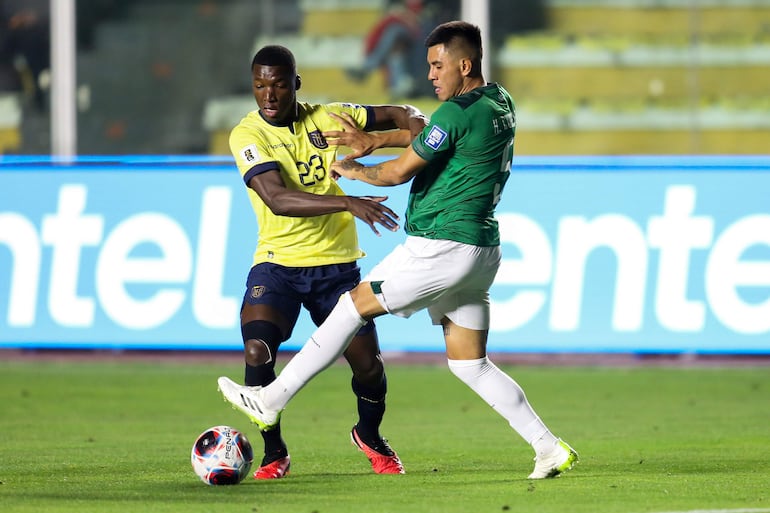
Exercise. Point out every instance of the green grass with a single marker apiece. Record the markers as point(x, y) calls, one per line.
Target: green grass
point(116, 437)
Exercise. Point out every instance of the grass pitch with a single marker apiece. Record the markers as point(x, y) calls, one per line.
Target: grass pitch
point(116, 437)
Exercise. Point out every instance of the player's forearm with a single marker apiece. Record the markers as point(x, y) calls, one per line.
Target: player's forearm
point(405, 117)
point(392, 139)
point(299, 204)
point(382, 174)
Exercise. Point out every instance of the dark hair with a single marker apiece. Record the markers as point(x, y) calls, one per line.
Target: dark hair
point(274, 55)
point(458, 35)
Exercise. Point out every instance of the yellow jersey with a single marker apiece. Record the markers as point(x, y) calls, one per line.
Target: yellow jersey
point(303, 157)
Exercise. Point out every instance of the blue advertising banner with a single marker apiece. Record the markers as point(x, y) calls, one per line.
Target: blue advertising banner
point(607, 254)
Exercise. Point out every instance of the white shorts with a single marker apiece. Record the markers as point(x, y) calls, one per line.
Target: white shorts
point(448, 278)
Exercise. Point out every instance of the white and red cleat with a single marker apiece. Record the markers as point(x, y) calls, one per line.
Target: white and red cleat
point(383, 458)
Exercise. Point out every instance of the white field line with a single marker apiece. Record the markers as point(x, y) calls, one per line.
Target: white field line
point(740, 510)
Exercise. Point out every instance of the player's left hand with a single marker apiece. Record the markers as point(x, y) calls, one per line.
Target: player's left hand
point(362, 143)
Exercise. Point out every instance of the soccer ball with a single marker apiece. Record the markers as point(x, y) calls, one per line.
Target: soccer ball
point(222, 455)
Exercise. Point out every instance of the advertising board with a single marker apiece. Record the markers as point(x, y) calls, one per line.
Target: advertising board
point(600, 254)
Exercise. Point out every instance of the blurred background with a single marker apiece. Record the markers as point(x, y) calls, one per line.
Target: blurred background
point(591, 77)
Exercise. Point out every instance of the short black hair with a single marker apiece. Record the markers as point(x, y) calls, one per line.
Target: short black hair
point(274, 55)
point(458, 35)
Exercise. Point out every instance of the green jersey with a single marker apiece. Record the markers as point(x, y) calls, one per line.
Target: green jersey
point(469, 146)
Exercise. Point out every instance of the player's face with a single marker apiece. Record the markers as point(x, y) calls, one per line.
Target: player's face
point(275, 89)
point(445, 72)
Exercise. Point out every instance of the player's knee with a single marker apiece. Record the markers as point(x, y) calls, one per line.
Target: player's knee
point(364, 298)
point(469, 371)
point(255, 352)
point(365, 360)
point(369, 373)
point(260, 342)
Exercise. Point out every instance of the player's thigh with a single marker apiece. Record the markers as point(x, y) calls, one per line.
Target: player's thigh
point(468, 308)
point(417, 273)
point(466, 303)
point(421, 272)
point(464, 343)
point(270, 296)
point(325, 285)
point(268, 313)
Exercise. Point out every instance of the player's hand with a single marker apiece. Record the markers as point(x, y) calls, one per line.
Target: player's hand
point(362, 143)
point(347, 168)
point(372, 211)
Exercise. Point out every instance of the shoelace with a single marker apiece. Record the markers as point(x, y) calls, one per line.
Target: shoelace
point(383, 448)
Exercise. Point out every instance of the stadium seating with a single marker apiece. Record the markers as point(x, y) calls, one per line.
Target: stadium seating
point(329, 39)
point(615, 77)
point(605, 77)
point(339, 17)
point(10, 122)
point(667, 18)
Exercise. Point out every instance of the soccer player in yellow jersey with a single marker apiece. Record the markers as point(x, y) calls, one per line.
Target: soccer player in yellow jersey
point(307, 244)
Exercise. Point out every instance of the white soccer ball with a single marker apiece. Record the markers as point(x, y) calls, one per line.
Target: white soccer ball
point(221, 455)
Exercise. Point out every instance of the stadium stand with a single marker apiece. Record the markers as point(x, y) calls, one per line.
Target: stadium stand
point(339, 17)
point(329, 40)
point(147, 68)
point(162, 74)
point(643, 76)
point(10, 121)
point(604, 76)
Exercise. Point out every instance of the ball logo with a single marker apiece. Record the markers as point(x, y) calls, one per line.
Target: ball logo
point(229, 444)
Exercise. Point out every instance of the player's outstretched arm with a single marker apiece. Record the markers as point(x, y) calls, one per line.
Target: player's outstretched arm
point(283, 201)
point(362, 143)
point(405, 117)
point(390, 172)
point(394, 127)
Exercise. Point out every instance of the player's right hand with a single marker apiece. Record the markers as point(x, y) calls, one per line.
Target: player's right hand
point(372, 211)
point(360, 142)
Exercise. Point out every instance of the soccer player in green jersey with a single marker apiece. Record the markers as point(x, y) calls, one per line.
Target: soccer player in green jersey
point(458, 166)
point(307, 243)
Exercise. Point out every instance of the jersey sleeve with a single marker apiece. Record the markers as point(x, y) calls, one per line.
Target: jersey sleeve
point(447, 124)
point(362, 114)
point(252, 155)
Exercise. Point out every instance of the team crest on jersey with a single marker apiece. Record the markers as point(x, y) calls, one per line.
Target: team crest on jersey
point(257, 291)
point(250, 154)
point(435, 137)
point(318, 140)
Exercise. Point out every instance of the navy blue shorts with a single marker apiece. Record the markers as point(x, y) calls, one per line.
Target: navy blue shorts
point(316, 288)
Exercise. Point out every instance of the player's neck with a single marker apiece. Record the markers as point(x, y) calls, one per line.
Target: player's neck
point(471, 84)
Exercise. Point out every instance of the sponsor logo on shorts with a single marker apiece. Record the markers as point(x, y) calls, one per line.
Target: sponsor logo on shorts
point(435, 137)
point(250, 154)
point(257, 291)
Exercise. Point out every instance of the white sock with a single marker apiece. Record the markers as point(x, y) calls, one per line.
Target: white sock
point(506, 397)
point(323, 348)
